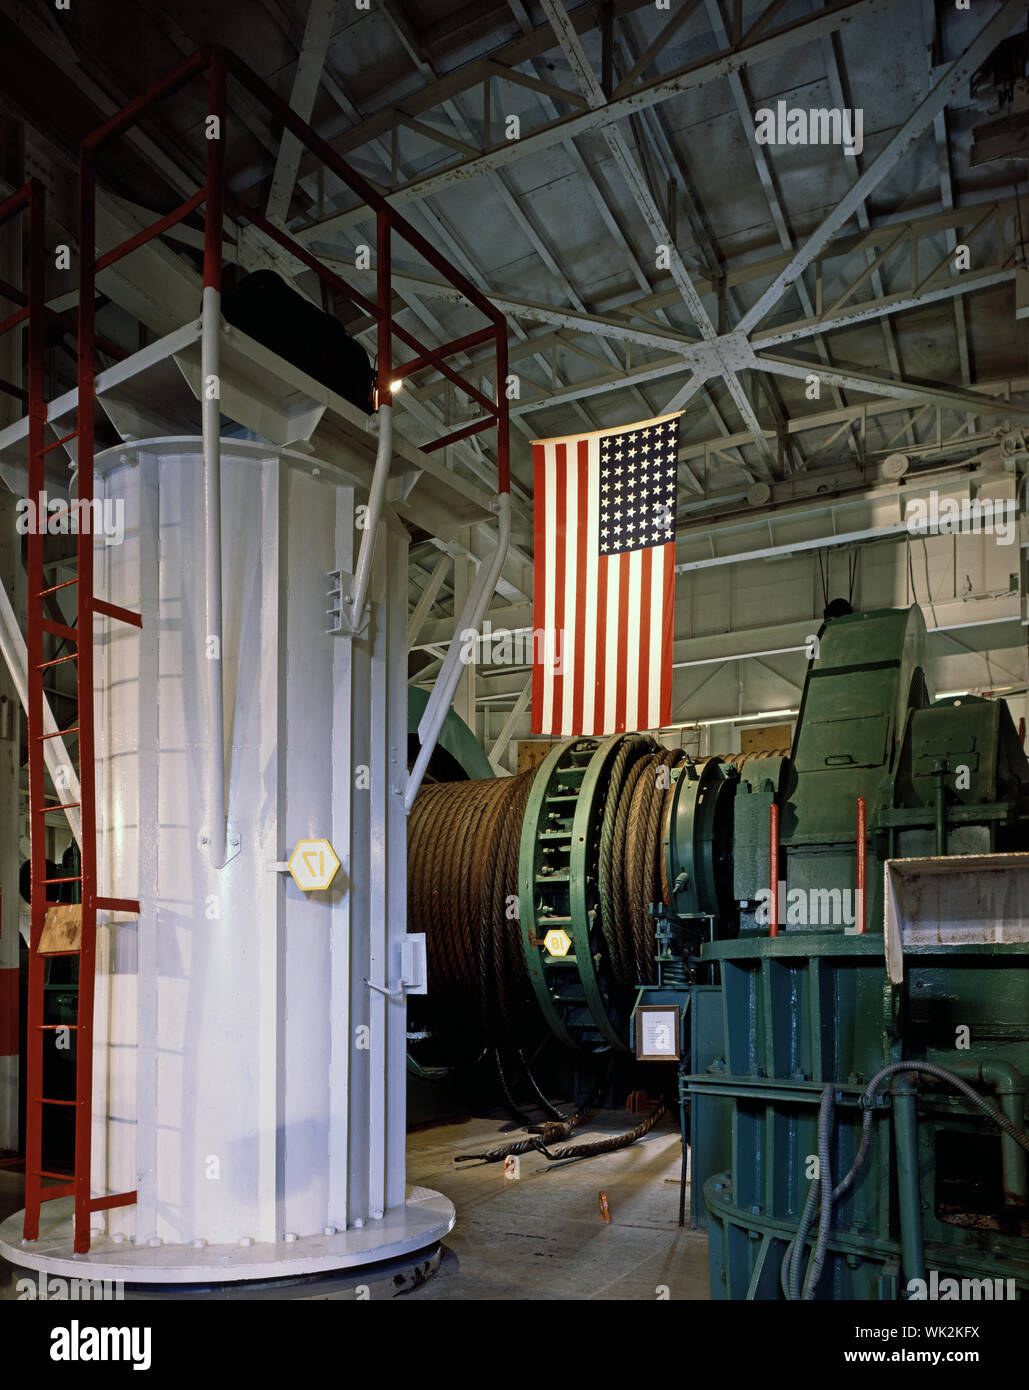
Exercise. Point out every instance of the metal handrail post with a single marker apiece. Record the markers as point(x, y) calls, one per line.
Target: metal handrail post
point(213, 839)
point(450, 672)
point(384, 452)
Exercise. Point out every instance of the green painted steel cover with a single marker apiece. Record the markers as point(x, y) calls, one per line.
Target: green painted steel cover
point(458, 754)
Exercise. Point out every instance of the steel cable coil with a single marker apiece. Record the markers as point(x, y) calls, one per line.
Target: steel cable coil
point(463, 840)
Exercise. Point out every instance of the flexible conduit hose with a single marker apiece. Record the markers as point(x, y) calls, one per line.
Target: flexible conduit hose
point(821, 1187)
point(589, 1149)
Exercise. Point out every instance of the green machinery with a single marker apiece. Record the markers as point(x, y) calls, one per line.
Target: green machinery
point(890, 930)
point(807, 1018)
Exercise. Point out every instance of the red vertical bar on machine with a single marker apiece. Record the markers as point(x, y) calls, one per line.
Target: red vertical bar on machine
point(773, 870)
point(859, 897)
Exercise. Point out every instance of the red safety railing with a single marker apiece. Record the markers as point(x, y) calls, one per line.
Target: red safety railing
point(20, 202)
point(78, 636)
point(27, 201)
point(216, 198)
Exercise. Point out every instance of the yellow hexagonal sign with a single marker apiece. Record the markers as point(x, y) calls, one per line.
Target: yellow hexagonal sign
point(558, 942)
point(313, 865)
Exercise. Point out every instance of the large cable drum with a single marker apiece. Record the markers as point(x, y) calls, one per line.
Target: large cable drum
point(462, 874)
point(540, 894)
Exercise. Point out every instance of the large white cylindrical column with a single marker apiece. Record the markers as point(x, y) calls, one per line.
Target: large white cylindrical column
point(249, 1084)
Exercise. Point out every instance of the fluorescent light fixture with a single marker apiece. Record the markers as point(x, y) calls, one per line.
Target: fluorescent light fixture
point(993, 689)
point(731, 719)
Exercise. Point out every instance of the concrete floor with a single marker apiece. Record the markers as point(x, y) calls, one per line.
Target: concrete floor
point(539, 1236)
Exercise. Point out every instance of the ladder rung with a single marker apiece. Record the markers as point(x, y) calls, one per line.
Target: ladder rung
point(46, 1100)
point(118, 904)
point(47, 1173)
point(47, 955)
point(52, 1027)
point(113, 610)
point(54, 587)
point(60, 806)
point(19, 316)
point(58, 442)
point(119, 1199)
point(76, 879)
point(50, 1194)
point(70, 634)
point(57, 661)
point(61, 733)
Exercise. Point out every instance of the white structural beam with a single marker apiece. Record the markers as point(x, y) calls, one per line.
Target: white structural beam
point(744, 109)
point(693, 75)
point(634, 179)
point(889, 157)
point(852, 379)
point(310, 61)
point(899, 303)
point(426, 599)
point(55, 752)
point(511, 723)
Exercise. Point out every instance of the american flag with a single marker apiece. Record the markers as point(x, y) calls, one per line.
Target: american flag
point(604, 588)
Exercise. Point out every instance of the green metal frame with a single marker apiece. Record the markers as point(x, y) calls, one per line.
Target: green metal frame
point(544, 894)
point(455, 737)
point(592, 953)
point(814, 1007)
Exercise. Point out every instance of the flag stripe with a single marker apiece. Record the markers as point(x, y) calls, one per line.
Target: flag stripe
point(624, 562)
point(549, 723)
point(644, 712)
point(560, 528)
point(613, 566)
point(540, 589)
point(573, 528)
point(590, 647)
point(658, 656)
point(668, 634)
point(583, 533)
point(631, 663)
point(600, 724)
point(604, 580)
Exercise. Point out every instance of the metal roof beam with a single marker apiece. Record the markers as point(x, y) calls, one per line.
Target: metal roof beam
point(693, 75)
point(901, 144)
point(644, 199)
point(825, 419)
point(310, 61)
point(880, 385)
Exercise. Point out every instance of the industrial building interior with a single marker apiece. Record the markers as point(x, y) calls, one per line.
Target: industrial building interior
point(410, 913)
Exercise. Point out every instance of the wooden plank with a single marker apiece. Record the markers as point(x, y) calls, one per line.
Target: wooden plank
point(62, 929)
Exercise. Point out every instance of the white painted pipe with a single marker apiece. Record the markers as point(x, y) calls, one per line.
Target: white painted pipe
point(210, 372)
point(376, 496)
point(450, 672)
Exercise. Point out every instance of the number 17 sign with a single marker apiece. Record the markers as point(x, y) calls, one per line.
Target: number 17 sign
point(313, 865)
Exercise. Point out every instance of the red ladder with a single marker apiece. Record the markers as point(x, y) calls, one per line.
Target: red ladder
point(79, 638)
